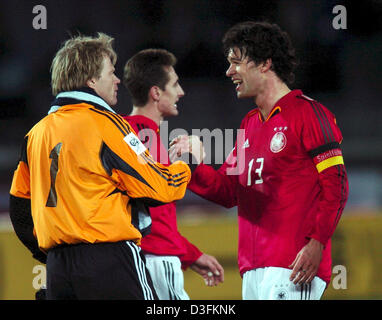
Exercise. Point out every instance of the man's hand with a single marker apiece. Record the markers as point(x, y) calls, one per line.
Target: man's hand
point(210, 269)
point(186, 144)
point(307, 261)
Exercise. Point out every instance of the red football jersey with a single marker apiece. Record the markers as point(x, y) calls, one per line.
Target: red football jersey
point(164, 238)
point(287, 177)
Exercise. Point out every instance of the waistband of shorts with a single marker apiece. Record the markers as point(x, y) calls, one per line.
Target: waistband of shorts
point(155, 256)
point(80, 244)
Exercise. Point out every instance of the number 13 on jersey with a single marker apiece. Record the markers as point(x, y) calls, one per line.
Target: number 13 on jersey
point(258, 170)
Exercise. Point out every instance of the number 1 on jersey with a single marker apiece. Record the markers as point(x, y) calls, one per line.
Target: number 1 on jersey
point(52, 198)
point(258, 171)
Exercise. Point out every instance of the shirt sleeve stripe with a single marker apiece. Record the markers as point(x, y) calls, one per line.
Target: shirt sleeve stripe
point(108, 115)
point(118, 119)
point(329, 163)
point(163, 172)
point(324, 125)
point(150, 160)
point(326, 121)
point(320, 121)
point(170, 180)
point(342, 174)
point(121, 121)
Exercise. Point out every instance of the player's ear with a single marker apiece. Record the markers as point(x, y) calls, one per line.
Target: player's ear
point(91, 83)
point(155, 93)
point(266, 65)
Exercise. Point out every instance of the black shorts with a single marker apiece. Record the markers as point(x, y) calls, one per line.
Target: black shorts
point(98, 271)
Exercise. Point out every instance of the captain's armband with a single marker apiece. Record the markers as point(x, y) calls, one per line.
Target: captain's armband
point(327, 156)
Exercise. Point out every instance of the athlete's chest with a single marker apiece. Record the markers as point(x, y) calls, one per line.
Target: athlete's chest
point(269, 150)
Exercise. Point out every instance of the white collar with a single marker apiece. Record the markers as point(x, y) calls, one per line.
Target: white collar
point(82, 96)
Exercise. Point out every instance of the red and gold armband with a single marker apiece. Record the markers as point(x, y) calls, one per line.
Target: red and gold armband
point(327, 156)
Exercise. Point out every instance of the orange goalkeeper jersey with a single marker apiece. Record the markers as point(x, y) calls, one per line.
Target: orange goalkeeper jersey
point(87, 175)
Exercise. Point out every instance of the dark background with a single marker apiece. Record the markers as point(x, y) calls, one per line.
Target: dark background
point(339, 68)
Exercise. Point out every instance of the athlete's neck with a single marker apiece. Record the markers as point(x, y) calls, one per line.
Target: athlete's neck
point(274, 91)
point(148, 111)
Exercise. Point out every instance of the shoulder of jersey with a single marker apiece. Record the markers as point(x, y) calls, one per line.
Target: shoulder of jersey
point(302, 102)
point(305, 98)
point(251, 113)
point(248, 116)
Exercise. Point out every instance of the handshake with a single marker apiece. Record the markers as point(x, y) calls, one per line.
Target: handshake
point(186, 144)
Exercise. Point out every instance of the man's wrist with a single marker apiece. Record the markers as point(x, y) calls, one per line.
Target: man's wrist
point(316, 243)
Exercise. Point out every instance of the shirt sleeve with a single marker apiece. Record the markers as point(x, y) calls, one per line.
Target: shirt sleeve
point(20, 183)
point(20, 206)
point(218, 186)
point(192, 254)
point(130, 165)
point(321, 139)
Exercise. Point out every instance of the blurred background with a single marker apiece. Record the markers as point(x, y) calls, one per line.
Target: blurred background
point(339, 68)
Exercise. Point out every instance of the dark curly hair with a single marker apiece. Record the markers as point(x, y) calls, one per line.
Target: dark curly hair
point(260, 41)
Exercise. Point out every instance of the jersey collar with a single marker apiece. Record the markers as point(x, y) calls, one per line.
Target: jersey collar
point(86, 95)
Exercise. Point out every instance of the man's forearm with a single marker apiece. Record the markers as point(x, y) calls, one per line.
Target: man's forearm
point(335, 190)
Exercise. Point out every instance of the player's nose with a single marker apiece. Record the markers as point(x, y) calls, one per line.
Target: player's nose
point(181, 92)
point(230, 71)
point(117, 80)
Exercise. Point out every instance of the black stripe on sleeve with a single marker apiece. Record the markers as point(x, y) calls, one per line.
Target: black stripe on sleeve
point(108, 115)
point(320, 120)
point(341, 174)
point(170, 180)
point(326, 121)
point(150, 160)
point(164, 172)
point(111, 161)
point(121, 121)
point(326, 147)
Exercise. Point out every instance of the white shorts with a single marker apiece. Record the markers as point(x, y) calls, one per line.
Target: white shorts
point(167, 276)
point(272, 283)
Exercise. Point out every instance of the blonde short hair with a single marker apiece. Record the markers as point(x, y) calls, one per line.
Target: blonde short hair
point(79, 60)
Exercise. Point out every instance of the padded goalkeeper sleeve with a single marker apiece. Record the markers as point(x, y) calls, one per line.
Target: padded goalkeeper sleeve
point(21, 218)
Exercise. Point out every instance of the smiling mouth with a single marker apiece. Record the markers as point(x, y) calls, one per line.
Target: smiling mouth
point(238, 83)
